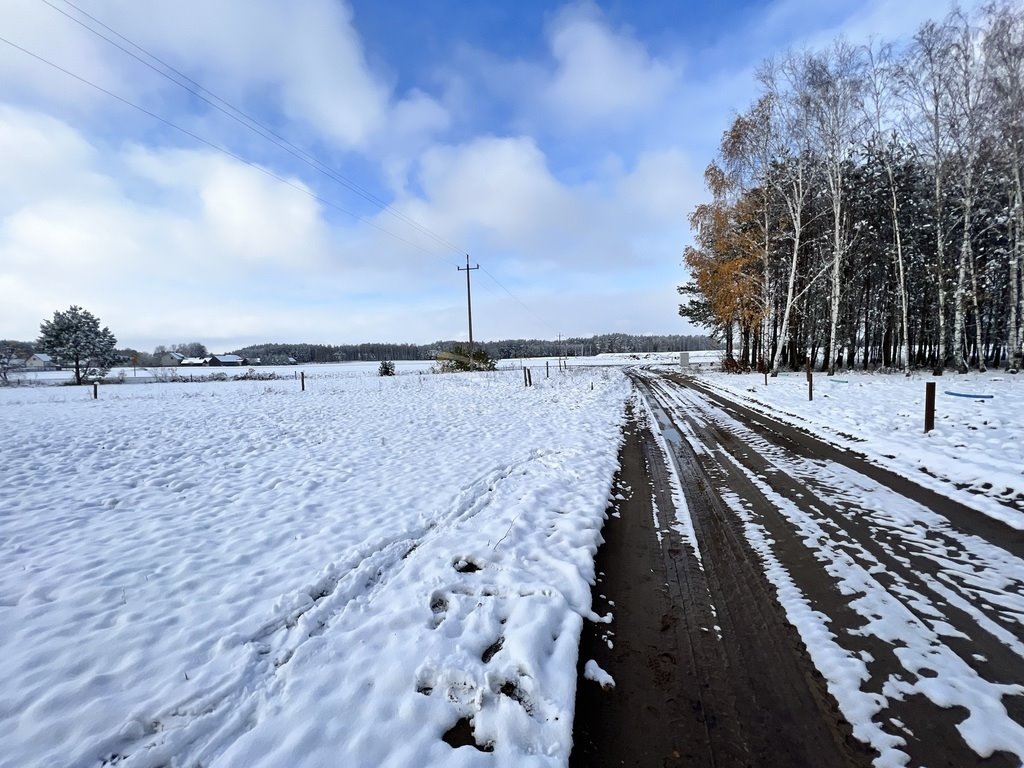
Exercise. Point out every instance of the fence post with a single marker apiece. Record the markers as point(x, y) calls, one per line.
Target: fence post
point(525, 384)
point(929, 406)
point(302, 378)
point(547, 369)
point(95, 390)
point(810, 385)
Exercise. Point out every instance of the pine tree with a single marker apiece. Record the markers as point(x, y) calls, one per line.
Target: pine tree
point(75, 338)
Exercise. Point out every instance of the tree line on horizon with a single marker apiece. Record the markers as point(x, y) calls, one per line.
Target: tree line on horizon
point(498, 350)
point(868, 208)
point(271, 354)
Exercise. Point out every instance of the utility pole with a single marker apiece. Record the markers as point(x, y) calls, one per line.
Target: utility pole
point(469, 303)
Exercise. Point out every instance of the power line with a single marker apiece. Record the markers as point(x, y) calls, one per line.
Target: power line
point(217, 147)
point(506, 290)
point(242, 118)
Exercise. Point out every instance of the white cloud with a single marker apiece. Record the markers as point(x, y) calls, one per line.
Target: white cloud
point(304, 57)
point(496, 191)
point(663, 186)
point(302, 60)
point(169, 244)
point(602, 74)
point(43, 31)
point(178, 232)
point(36, 149)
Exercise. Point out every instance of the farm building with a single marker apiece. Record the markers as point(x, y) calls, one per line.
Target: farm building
point(227, 360)
point(40, 362)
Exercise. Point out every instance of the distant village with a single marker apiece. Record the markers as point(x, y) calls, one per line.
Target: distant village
point(40, 361)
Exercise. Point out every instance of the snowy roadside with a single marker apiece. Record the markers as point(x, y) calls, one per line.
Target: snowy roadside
point(241, 573)
point(974, 454)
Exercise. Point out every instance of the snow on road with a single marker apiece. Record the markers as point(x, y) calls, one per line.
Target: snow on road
point(974, 454)
point(244, 574)
point(917, 583)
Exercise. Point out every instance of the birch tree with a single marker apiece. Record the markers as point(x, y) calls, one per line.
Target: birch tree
point(746, 152)
point(1004, 50)
point(966, 124)
point(924, 79)
point(785, 83)
point(880, 103)
point(835, 80)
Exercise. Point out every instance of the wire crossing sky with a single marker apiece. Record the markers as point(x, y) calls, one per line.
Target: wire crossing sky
point(252, 170)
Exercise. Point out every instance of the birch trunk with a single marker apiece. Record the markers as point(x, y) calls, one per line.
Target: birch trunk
point(959, 294)
point(977, 313)
point(837, 265)
point(940, 259)
point(791, 285)
point(901, 275)
point(1013, 332)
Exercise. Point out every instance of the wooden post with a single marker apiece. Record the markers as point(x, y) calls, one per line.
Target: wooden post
point(302, 378)
point(929, 406)
point(526, 381)
point(810, 385)
point(547, 369)
point(95, 390)
point(766, 377)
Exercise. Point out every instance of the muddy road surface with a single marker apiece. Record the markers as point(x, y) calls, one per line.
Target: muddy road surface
point(777, 601)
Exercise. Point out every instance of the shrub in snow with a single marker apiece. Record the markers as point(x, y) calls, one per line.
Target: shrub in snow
point(458, 358)
point(387, 368)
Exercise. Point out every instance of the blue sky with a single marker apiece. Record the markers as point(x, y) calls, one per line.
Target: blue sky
point(560, 145)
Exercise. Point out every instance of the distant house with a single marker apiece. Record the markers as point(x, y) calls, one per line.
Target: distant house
point(227, 360)
point(40, 362)
point(171, 358)
point(194, 361)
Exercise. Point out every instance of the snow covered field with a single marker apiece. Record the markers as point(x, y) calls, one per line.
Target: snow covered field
point(975, 453)
point(131, 375)
point(244, 574)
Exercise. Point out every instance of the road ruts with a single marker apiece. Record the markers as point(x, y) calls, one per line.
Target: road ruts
point(924, 594)
point(708, 671)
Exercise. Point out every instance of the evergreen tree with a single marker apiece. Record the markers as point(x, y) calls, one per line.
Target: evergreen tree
point(75, 338)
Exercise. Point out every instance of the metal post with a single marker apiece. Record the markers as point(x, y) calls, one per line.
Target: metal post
point(303, 379)
point(929, 406)
point(95, 390)
point(810, 385)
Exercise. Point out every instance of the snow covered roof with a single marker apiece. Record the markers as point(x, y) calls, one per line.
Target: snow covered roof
point(228, 358)
point(43, 357)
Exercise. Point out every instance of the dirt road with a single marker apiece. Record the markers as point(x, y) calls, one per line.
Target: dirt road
point(781, 602)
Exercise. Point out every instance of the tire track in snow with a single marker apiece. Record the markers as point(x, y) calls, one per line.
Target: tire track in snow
point(941, 609)
point(193, 730)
